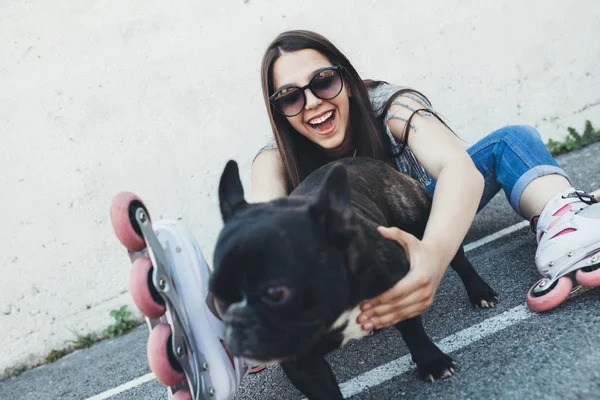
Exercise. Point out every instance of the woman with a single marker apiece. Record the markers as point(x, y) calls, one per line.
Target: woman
point(321, 110)
point(319, 114)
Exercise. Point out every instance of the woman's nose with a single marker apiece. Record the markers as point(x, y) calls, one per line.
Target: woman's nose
point(312, 101)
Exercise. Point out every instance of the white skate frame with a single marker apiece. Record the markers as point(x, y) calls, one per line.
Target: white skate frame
point(183, 343)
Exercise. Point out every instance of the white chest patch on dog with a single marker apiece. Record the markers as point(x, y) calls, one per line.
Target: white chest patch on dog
point(352, 329)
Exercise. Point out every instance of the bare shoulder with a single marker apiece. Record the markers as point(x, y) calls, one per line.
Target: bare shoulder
point(267, 177)
point(414, 109)
point(429, 138)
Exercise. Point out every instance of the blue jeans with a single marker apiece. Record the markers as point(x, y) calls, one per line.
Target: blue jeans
point(509, 159)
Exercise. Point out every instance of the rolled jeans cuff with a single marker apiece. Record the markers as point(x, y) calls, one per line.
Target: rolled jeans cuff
point(530, 176)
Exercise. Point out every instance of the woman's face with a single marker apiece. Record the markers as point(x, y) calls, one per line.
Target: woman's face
point(324, 122)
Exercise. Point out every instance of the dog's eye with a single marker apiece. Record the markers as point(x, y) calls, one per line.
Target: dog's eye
point(276, 294)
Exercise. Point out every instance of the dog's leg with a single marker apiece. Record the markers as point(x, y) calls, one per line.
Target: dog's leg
point(312, 375)
point(431, 361)
point(479, 292)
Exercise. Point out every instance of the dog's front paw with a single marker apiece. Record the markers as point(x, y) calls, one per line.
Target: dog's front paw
point(482, 295)
point(440, 368)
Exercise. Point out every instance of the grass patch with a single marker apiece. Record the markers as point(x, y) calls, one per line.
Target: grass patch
point(123, 323)
point(56, 355)
point(574, 140)
point(83, 341)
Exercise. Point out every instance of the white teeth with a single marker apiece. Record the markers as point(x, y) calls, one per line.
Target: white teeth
point(321, 118)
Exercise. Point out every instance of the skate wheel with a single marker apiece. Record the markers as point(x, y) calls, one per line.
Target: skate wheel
point(142, 290)
point(551, 298)
point(122, 217)
point(588, 278)
point(182, 395)
point(161, 359)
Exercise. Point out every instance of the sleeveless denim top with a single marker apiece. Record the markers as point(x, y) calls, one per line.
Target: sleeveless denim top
point(405, 162)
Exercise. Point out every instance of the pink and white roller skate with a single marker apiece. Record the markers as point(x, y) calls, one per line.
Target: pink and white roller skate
point(168, 283)
point(568, 236)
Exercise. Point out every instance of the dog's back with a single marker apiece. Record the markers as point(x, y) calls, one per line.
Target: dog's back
point(380, 195)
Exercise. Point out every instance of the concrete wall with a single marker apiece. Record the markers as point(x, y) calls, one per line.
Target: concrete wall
point(153, 97)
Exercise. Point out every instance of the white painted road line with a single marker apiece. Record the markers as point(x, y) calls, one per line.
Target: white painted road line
point(496, 236)
point(124, 387)
point(449, 344)
point(403, 364)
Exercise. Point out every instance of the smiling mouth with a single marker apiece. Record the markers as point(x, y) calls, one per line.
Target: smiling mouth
point(324, 122)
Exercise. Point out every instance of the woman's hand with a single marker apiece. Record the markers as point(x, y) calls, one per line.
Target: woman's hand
point(414, 293)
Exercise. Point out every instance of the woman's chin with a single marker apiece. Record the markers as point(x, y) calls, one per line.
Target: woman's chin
point(335, 148)
point(330, 143)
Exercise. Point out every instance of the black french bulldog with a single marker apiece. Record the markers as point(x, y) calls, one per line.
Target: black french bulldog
point(289, 274)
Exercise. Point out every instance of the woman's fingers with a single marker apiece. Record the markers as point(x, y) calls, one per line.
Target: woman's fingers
point(418, 300)
point(393, 318)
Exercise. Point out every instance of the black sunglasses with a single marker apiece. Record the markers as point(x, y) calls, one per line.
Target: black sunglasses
point(325, 83)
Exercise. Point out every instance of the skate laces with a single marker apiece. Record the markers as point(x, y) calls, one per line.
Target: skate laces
point(585, 197)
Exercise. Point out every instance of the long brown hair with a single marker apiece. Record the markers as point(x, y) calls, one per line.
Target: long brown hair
point(301, 156)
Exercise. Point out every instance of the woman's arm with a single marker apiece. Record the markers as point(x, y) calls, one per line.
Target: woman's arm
point(267, 179)
point(458, 191)
point(459, 184)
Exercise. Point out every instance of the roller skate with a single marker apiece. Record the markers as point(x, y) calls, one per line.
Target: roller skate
point(568, 253)
point(169, 284)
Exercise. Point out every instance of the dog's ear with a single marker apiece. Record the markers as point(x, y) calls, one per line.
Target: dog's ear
point(332, 207)
point(231, 192)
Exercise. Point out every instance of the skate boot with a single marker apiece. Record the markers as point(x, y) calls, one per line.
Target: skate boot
point(568, 236)
point(169, 284)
